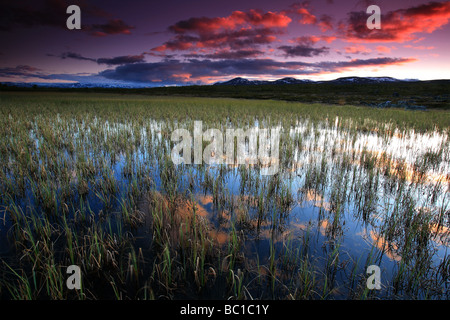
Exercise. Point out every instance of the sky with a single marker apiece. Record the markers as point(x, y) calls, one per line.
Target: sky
point(172, 42)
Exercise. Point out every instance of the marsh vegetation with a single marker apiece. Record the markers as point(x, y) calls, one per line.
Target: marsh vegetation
point(87, 180)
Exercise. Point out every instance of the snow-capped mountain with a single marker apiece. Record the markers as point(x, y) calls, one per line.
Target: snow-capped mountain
point(239, 81)
point(73, 85)
point(242, 82)
point(344, 80)
point(356, 80)
point(289, 80)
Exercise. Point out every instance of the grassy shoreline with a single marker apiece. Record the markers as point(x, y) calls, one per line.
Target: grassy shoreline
point(433, 94)
point(402, 119)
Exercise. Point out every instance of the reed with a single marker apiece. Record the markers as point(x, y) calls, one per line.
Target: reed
point(88, 180)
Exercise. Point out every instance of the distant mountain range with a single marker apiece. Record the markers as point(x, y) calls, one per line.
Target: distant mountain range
point(344, 80)
point(233, 82)
point(73, 85)
point(243, 82)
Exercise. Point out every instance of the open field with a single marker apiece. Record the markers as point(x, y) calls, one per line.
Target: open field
point(433, 94)
point(87, 179)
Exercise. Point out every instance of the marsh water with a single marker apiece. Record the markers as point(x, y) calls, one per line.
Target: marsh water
point(341, 200)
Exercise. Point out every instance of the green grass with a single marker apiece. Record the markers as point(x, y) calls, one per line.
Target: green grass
point(86, 179)
point(433, 94)
point(117, 107)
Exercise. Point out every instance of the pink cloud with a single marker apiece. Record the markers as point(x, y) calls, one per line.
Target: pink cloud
point(356, 49)
point(397, 26)
point(254, 18)
point(383, 49)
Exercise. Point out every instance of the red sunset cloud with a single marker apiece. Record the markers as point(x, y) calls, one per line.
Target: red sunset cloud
point(383, 49)
point(238, 18)
point(310, 40)
point(236, 31)
point(306, 16)
point(397, 26)
point(306, 38)
point(238, 39)
point(357, 49)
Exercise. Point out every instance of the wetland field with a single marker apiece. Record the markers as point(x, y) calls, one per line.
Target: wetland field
point(87, 179)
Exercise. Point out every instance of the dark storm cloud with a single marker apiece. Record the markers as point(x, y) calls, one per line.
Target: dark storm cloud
point(47, 13)
point(113, 26)
point(303, 51)
point(171, 71)
point(109, 61)
point(26, 72)
point(72, 55)
point(52, 13)
point(226, 54)
point(121, 60)
point(21, 70)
